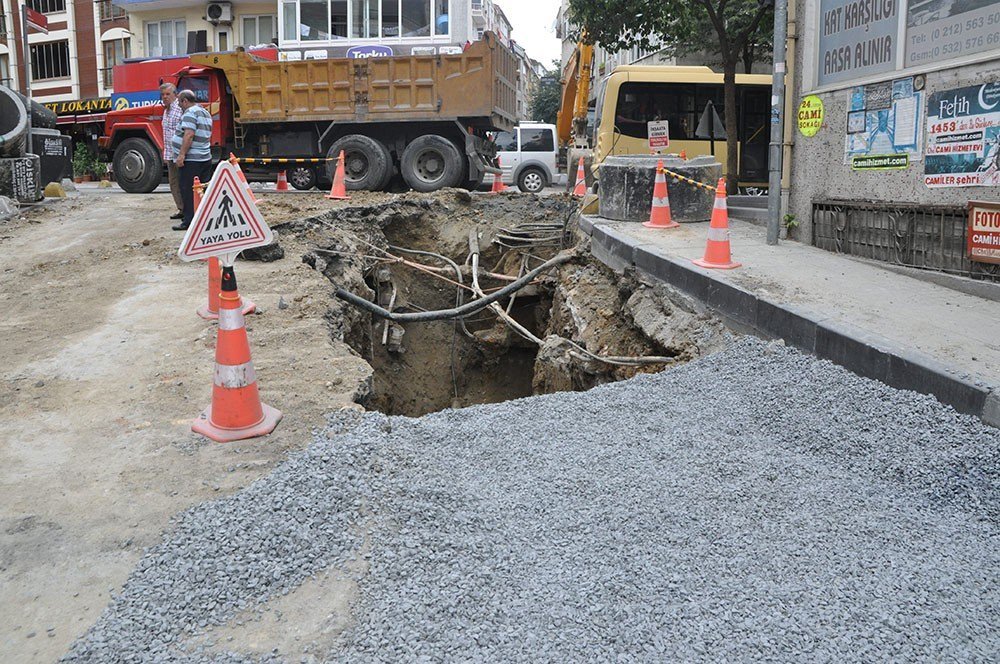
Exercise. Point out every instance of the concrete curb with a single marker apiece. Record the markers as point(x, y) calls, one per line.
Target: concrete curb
point(853, 348)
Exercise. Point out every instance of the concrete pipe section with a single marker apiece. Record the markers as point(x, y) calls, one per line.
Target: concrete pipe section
point(13, 123)
point(626, 187)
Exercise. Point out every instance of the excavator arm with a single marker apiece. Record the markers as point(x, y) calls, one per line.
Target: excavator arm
point(571, 121)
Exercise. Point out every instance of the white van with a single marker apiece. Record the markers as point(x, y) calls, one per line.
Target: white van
point(528, 156)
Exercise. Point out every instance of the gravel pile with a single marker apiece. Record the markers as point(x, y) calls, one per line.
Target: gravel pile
point(754, 504)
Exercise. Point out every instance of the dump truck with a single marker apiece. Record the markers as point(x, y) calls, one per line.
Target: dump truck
point(423, 117)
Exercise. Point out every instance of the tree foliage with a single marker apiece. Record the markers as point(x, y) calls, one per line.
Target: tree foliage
point(546, 100)
point(734, 30)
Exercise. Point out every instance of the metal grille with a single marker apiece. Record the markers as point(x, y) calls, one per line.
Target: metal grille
point(924, 237)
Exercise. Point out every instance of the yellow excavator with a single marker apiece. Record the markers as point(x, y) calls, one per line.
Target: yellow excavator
point(571, 120)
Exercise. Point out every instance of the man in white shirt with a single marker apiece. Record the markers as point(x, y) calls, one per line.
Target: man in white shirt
point(171, 118)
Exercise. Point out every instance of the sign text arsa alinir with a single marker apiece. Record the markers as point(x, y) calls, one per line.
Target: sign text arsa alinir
point(226, 222)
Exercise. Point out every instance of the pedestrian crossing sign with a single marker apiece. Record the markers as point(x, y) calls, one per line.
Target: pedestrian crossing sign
point(226, 222)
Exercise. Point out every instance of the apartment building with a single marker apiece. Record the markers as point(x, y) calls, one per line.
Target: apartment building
point(312, 28)
point(71, 63)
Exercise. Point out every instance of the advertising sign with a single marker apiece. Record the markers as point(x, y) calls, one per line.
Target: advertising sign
point(963, 137)
point(373, 51)
point(810, 115)
point(984, 232)
point(659, 134)
point(123, 100)
point(883, 126)
point(36, 20)
point(82, 106)
point(943, 30)
point(857, 39)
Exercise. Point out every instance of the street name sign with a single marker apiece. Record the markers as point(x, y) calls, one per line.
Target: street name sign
point(226, 222)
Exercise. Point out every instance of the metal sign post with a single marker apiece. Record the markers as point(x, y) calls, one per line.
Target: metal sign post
point(27, 73)
point(777, 146)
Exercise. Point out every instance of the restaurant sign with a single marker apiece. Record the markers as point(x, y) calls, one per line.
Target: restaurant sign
point(80, 106)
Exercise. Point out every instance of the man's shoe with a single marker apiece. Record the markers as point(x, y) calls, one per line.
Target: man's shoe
point(180, 227)
point(179, 215)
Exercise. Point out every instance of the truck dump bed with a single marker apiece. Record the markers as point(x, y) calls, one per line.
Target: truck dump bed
point(476, 87)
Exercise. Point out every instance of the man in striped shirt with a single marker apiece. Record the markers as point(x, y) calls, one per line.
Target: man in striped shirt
point(191, 143)
point(171, 118)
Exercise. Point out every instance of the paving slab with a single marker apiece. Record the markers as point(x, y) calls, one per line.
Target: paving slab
point(876, 321)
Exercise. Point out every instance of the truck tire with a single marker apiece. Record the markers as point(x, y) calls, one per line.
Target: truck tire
point(431, 162)
point(366, 162)
point(138, 166)
point(302, 178)
point(531, 180)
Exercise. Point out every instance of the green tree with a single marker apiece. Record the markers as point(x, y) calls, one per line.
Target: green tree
point(734, 30)
point(545, 102)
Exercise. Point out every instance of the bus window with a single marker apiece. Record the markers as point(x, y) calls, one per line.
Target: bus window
point(681, 104)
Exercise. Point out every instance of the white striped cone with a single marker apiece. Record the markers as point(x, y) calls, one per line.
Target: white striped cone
point(717, 253)
point(580, 189)
point(659, 210)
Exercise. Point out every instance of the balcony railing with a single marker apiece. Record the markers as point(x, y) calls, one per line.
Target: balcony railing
point(110, 12)
point(3, 28)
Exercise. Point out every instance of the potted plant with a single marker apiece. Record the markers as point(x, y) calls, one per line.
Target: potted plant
point(82, 160)
point(101, 170)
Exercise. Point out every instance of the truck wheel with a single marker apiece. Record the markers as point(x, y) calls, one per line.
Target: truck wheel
point(138, 166)
point(302, 178)
point(430, 163)
point(366, 162)
point(531, 180)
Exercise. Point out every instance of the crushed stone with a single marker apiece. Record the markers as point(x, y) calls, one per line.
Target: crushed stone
point(757, 503)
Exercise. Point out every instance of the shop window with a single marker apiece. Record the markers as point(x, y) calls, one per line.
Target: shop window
point(50, 60)
point(338, 19)
point(314, 20)
point(364, 19)
point(416, 18)
point(259, 30)
point(166, 38)
point(390, 18)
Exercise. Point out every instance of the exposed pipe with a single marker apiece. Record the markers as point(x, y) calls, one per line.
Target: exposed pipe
point(464, 310)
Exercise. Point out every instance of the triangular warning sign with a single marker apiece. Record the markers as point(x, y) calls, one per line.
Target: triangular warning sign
point(227, 221)
point(710, 125)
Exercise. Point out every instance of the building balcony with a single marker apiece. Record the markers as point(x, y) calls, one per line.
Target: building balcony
point(154, 5)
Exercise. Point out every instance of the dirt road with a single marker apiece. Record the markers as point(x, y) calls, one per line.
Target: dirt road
point(103, 366)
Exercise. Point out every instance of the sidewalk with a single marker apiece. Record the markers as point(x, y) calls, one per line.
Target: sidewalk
point(876, 322)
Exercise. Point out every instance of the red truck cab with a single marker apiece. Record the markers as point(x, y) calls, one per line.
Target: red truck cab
point(133, 136)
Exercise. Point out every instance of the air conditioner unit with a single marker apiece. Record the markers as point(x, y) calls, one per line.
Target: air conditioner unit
point(219, 12)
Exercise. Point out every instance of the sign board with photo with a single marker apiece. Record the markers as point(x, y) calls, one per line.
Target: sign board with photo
point(963, 137)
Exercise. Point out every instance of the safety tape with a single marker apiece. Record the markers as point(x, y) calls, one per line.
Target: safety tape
point(231, 319)
point(688, 180)
point(234, 377)
point(285, 160)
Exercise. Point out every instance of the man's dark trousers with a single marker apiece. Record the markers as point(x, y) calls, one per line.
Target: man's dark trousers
point(189, 171)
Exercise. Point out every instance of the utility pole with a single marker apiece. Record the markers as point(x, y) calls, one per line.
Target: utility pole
point(777, 147)
point(27, 73)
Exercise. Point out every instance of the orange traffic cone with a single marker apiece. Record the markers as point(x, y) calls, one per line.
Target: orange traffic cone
point(339, 189)
point(210, 311)
point(498, 185)
point(243, 178)
point(684, 154)
point(236, 411)
point(581, 180)
point(717, 249)
point(282, 183)
point(659, 211)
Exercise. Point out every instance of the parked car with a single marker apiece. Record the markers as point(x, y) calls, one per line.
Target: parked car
point(528, 156)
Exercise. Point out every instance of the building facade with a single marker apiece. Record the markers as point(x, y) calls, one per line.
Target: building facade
point(898, 127)
point(74, 60)
point(312, 28)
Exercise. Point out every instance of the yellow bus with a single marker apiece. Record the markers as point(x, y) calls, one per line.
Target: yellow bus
point(632, 95)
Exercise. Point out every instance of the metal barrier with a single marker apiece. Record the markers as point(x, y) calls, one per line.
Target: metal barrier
point(924, 237)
